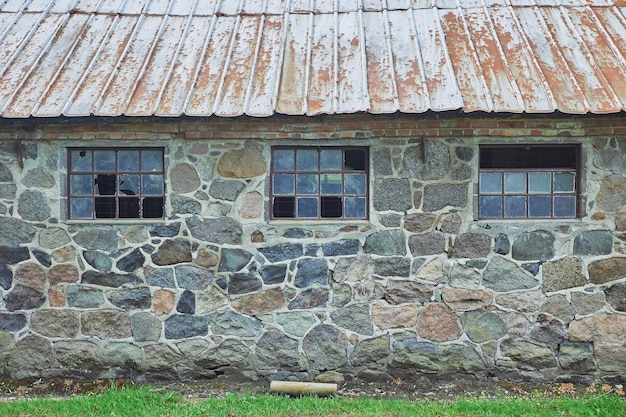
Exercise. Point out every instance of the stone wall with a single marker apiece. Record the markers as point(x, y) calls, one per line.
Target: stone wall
point(217, 289)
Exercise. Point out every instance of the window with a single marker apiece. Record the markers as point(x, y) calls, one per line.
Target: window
point(528, 182)
point(115, 183)
point(319, 183)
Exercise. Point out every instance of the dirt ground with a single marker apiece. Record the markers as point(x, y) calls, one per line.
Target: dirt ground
point(424, 386)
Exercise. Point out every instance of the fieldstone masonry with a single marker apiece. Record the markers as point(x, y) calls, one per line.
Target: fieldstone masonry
point(218, 289)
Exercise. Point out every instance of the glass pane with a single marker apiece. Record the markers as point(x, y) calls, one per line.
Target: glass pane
point(490, 207)
point(331, 160)
point(81, 184)
point(152, 184)
point(539, 182)
point(490, 183)
point(284, 184)
point(81, 208)
point(129, 208)
point(306, 159)
point(81, 161)
point(354, 159)
point(331, 207)
point(515, 206)
point(307, 184)
point(331, 183)
point(563, 182)
point(129, 160)
point(355, 207)
point(514, 182)
point(284, 160)
point(539, 206)
point(307, 207)
point(105, 160)
point(106, 207)
point(354, 184)
point(106, 184)
point(564, 206)
point(284, 207)
point(129, 185)
point(152, 208)
point(152, 161)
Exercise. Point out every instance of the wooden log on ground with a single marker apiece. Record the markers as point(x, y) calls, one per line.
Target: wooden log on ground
point(303, 388)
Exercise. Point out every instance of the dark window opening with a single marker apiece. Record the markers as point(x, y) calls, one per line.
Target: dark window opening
point(116, 183)
point(528, 182)
point(331, 207)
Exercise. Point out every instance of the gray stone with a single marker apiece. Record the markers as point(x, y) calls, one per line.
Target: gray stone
point(562, 274)
point(576, 356)
point(52, 238)
point(521, 301)
point(227, 190)
point(464, 153)
point(533, 268)
point(229, 323)
point(173, 252)
point(8, 191)
point(439, 196)
point(342, 247)
point(482, 326)
point(30, 358)
point(6, 277)
point(311, 271)
point(354, 317)
point(393, 266)
point(55, 323)
point(15, 232)
point(607, 270)
point(460, 358)
point(5, 174)
point(185, 205)
point(12, 322)
point(160, 277)
point(450, 223)
point(471, 245)
point(33, 206)
point(609, 160)
point(193, 278)
point(429, 160)
point(419, 222)
point(296, 323)
point(502, 276)
point(187, 303)
point(549, 330)
point(462, 276)
point(221, 230)
point(390, 219)
point(587, 303)
point(433, 243)
point(162, 362)
point(282, 252)
point(392, 194)
point(297, 233)
point(83, 297)
point(108, 279)
point(23, 298)
point(106, 324)
point(373, 351)
point(438, 323)
point(273, 274)
point(616, 297)
point(13, 255)
point(528, 355)
point(227, 353)
point(131, 262)
point(78, 357)
point(610, 358)
point(184, 179)
point(97, 239)
point(413, 354)
point(603, 327)
point(310, 298)
point(42, 257)
point(326, 347)
point(242, 163)
point(537, 245)
point(394, 317)
point(182, 326)
point(353, 269)
point(502, 245)
point(381, 161)
point(277, 351)
point(461, 299)
point(244, 283)
point(386, 243)
point(38, 178)
point(400, 292)
point(122, 358)
point(260, 303)
point(98, 260)
point(145, 327)
point(233, 260)
point(131, 298)
point(165, 230)
point(612, 194)
point(559, 307)
point(594, 242)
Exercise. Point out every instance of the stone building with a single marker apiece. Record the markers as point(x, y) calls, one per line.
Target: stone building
point(312, 190)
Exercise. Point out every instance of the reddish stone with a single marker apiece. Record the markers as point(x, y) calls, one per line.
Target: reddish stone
point(598, 216)
point(438, 323)
point(31, 274)
point(63, 273)
point(56, 297)
point(163, 301)
point(388, 317)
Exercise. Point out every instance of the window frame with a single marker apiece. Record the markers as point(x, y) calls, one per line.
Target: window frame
point(559, 166)
point(134, 201)
point(321, 197)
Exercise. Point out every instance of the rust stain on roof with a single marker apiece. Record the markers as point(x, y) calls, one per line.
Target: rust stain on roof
point(305, 57)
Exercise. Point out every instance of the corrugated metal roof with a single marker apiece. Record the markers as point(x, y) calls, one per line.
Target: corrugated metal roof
point(260, 57)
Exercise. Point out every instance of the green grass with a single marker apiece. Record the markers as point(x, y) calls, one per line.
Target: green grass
point(130, 402)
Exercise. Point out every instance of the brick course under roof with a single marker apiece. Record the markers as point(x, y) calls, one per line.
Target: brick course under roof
point(307, 57)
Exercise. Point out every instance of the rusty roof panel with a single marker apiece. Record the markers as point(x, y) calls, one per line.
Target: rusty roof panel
point(307, 57)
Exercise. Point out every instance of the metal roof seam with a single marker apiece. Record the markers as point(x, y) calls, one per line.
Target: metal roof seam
point(307, 66)
point(257, 48)
point(420, 60)
point(229, 55)
point(335, 103)
point(366, 96)
point(392, 69)
point(281, 59)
